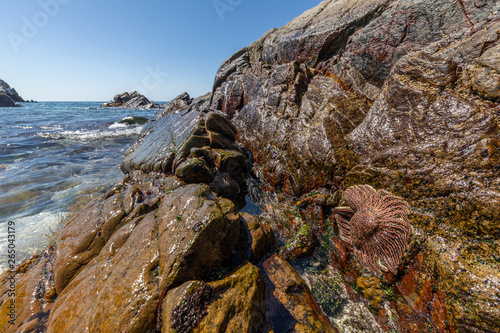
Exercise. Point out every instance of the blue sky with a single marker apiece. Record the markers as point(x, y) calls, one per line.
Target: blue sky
point(89, 50)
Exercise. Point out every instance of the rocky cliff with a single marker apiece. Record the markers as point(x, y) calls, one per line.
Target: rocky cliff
point(400, 95)
point(8, 96)
point(373, 130)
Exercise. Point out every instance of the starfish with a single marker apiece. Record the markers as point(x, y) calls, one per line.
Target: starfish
point(376, 225)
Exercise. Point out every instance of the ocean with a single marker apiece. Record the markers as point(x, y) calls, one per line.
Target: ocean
point(54, 157)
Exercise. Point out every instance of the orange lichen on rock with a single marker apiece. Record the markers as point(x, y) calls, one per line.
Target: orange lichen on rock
point(371, 290)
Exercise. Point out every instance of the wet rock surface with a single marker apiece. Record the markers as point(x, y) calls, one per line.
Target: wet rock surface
point(116, 261)
point(399, 95)
point(294, 293)
point(7, 101)
point(234, 304)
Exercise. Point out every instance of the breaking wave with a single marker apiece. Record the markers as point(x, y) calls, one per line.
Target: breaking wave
point(112, 131)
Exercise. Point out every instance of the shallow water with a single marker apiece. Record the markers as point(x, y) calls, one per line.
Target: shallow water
point(53, 155)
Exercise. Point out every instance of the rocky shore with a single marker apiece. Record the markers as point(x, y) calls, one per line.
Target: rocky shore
point(9, 96)
point(368, 133)
point(131, 100)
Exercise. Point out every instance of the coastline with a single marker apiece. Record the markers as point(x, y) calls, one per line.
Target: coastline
point(374, 165)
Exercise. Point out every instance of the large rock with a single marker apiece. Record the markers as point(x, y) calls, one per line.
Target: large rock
point(9, 96)
point(132, 100)
point(195, 236)
point(234, 304)
point(11, 92)
point(401, 95)
point(117, 259)
point(404, 96)
point(196, 145)
point(111, 293)
point(26, 307)
point(7, 101)
point(296, 296)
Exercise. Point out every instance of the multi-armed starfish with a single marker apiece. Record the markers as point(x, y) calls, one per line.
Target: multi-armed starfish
point(376, 224)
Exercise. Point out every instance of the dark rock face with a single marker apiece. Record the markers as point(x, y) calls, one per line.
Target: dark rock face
point(197, 146)
point(7, 101)
point(132, 100)
point(9, 96)
point(133, 120)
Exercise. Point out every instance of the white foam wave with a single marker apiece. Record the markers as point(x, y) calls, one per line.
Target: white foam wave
point(22, 127)
point(92, 135)
point(51, 127)
point(117, 125)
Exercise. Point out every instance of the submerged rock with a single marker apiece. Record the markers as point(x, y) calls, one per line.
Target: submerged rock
point(133, 120)
point(296, 296)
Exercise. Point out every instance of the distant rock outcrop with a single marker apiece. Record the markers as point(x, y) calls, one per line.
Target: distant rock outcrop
point(131, 100)
point(8, 96)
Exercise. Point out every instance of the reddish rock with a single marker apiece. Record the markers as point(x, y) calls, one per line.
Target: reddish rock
point(296, 296)
point(195, 236)
point(32, 294)
point(111, 293)
point(262, 236)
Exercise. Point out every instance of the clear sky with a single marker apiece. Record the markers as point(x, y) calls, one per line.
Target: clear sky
point(90, 50)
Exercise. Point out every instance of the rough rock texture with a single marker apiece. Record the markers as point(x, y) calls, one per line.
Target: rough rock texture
point(130, 100)
point(400, 95)
point(6, 89)
point(122, 254)
point(263, 238)
point(181, 102)
point(8, 96)
point(236, 304)
point(197, 146)
point(34, 293)
point(294, 293)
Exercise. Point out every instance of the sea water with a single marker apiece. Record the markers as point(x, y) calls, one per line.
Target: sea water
point(55, 156)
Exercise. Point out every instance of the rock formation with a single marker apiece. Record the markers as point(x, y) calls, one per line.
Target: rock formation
point(133, 100)
point(402, 96)
point(166, 222)
point(9, 96)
